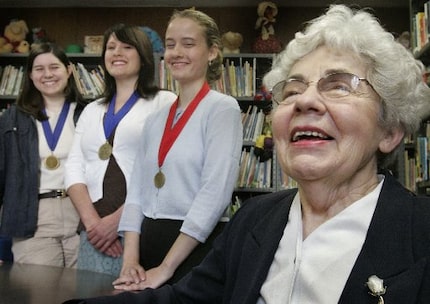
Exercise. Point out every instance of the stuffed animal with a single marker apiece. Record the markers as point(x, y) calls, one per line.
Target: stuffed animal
point(231, 42)
point(14, 34)
point(23, 47)
point(38, 35)
point(264, 145)
point(263, 97)
point(5, 46)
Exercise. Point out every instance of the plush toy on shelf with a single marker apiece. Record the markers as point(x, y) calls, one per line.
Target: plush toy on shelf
point(263, 98)
point(264, 145)
point(5, 46)
point(23, 47)
point(14, 38)
point(266, 42)
point(38, 35)
point(231, 42)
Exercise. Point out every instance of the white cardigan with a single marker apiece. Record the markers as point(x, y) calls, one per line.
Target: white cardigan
point(84, 165)
point(201, 169)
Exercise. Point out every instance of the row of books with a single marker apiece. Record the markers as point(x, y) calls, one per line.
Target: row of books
point(420, 28)
point(253, 121)
point(410, 171)
point(417, 160)
point(238, 78)
point(90, 82)
point(254, 173)
point(11, 80)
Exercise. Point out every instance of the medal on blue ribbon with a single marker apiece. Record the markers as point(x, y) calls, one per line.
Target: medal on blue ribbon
point(111, 121)
point(52, 137)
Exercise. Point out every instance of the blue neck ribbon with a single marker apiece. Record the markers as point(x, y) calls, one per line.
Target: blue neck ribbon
point(52, 137)
point(112, 119)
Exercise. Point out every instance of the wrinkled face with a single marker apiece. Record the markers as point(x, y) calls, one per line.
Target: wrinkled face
point(332, 136)
point(122, 60)
point(49, 75)
point(187, 54)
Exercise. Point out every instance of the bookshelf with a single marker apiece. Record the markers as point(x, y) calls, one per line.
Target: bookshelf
point(68, 22)
point(6, 61)
point(419, 25)
point(415, 159)
point(242, 78)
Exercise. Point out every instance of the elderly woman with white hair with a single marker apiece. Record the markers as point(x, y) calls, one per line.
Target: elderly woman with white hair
point(346, 95)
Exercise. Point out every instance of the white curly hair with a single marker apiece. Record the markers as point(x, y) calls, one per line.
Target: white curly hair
point(392, 70)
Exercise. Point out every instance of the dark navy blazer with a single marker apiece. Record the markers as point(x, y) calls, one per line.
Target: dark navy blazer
point(396, 249)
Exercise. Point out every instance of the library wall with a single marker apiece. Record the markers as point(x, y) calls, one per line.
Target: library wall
point(70, 25)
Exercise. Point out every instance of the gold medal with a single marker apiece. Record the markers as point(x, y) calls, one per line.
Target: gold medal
point(51, 162)
point(105, 151)
point(159, 179)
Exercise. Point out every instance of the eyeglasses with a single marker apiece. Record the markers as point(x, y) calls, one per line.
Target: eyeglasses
point(332, 86)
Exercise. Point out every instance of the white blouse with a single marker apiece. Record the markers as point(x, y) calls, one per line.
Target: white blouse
point(316, 269)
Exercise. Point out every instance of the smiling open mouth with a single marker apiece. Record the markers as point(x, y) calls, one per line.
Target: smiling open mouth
point(309, 135)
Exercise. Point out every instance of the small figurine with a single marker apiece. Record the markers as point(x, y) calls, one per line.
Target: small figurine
point(266, 42)
point(267, 12)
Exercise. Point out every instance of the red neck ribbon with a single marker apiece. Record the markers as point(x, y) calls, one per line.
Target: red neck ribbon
point(171, 133)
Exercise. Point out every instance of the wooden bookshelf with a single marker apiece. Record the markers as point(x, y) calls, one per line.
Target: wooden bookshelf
point(413, 164)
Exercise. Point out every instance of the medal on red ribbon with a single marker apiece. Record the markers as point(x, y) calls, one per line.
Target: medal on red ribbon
point(171, 132)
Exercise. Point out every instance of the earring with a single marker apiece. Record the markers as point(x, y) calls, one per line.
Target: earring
point(210, 62)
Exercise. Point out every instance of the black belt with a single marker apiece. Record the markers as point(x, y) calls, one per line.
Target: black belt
point(53, 194)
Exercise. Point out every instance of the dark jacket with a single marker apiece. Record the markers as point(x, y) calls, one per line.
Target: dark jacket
point(19, 172)
point(396, 249)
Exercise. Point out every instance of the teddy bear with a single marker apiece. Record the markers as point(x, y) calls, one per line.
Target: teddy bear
point(14, 36)
point(231, 42)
